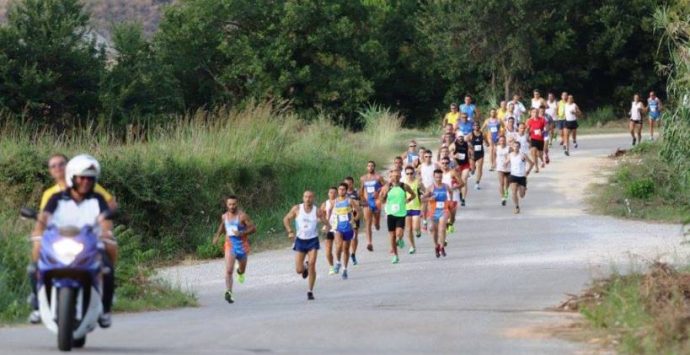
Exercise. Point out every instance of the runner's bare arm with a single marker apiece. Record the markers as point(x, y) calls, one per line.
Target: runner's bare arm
point(221, 229)
point(291, 215)
point(321, 215)
point(448, 192)
point(530, 162)
point(355, 209)
point(249, 226)
point(409, 190)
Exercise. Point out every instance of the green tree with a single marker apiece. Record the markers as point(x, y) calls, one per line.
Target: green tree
point(50, 67)
point(137, 86)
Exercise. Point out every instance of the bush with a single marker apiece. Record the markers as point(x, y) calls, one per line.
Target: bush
point(642, 189)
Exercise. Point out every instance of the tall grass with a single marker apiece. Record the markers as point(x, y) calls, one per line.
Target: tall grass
point(170, 181)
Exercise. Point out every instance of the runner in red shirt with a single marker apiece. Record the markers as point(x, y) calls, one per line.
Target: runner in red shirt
point(536, 126)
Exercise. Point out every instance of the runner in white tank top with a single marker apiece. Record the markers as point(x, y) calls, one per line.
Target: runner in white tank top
point(327, 209)
point(426, 171)
point(306, 217)
point(518, 174)
point(503, 171)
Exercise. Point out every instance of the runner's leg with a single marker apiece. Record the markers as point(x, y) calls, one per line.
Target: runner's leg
point(229, 268)
point(312, 268)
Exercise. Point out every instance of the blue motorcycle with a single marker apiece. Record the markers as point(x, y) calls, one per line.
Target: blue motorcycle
point(69, 287)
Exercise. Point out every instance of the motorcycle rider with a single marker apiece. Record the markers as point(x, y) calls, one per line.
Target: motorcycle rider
point(78, 206)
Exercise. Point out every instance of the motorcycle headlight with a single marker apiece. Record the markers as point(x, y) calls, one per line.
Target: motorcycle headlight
point(66, 250)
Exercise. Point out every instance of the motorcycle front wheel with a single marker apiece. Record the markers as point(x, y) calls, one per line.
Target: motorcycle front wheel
point(66, 312)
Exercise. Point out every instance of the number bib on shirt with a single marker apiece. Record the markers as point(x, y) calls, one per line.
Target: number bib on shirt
point(477, 147)
point(371, 189)
point(232, 231)
point(343, 218)
point(461, 156)
point(537, 131)
point(494, 129)
point(395, 209)
point(440, 205)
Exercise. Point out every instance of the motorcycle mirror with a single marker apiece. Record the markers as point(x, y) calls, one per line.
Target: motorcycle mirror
point(28, 213)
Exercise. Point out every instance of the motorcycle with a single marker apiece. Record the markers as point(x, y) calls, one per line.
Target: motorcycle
point(69, 286)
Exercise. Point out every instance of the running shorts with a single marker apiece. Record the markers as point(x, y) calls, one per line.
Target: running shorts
point(347, 235)
point(306, 245)
point(237, 247)
point(412, 213)
point(654, 115)
point(330, 235)
point(371, 203)
point(571, 124)
point(395, 222)
point(438, 214)
point(477, 156)
point(636, 122)
point(520, 180)
point(463, 167)
point(537, 144)
point(560, 124)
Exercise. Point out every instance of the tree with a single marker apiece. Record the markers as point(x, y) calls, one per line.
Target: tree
point(50, 67)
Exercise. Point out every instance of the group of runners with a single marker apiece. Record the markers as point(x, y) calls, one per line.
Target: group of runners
point(421, 192)
point(637, 112)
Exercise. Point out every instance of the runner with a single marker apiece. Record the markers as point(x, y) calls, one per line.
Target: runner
point(438, 198)
point(560, 118)
point(398, 164)
point(551, 116)
point(396, 195)
point(463, 153)
point(469, 109)
point(537, 100)
point(345, 210)
point(502, 151)
point(414, 207)
point(635, 125)
point(502, 110)
point(510, 116)
point(571, 114)
point(518, 109)
point(477, 140)
point(444, 152)
point(306, 241)
point(547, 132)
point(426, 171)
point(522, 136)
point(411, 156)
point(237, 227)
point(654, 108)
point(354, 195)
point(536, 126)
point(454, 181)
point(495, 128)
point(451, 118)
point(464, 126)
point(371, 184)
point(327, 209)
point(518, 174)
point(510, 129)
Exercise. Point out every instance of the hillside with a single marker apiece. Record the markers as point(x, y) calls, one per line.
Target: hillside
point(105, 13)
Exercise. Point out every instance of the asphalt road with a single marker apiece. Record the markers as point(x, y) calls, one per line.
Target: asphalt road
point(502, 271)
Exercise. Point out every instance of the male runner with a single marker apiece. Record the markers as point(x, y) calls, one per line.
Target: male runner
point(327, 209)
point(237, 227)
point(503, 172)
point(411, 156)
point(551, 116)
point(346, 213)
point(396, 195)
point(469, 109)
point(371, 183)
point(414, 207)
point(354, 195)
point(454, 181)
point(463, 152)
point(537, 100)
point(438, 197)
point(306, 217)
point(451, 118)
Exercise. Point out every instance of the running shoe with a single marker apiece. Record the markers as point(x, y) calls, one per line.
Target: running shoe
point(516, 210)
point(105, 320)
point(419, 234)
point(354, 259)
point(503, 202)
point(575, 145)
point(35, 317)
point(443, 252)
point(424, 225)
point(462, 202)
point(401, 243)
point(344, 274)
point(336, 269)
point(634, 141)
point(546, 158)
point(241, 278)
point(438, 251)
point(445, 243)
point(370, 247)
point(567, 153)
point(476, 187)
point(305, 273)
point(228, 297)
point(412, 250)
point(310, 296)
point(331, 271)
point(377, 226)
point(395, 259)
point(451, 228)
point(505, 195)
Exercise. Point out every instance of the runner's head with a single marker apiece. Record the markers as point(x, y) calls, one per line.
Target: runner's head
point(394, 176)
point(56, 166)
point(516, 98)
point(427, 156)
point(475, 126)
point(516, 146)
point(502, 140)
point(445, 163)
point(652, 95)
point(564, 95)
point(231, 203)
point(511, 124)
point(81, 173)
point(463, 117)
point(332, 192)
point(449, 128)
point(521, 128)
point(468, 99)
point(536, 94)
point(409, 172)
point(342, 189)
point(493, 113)
point(308, 198)
point(350, 181)
point(398, 163)
point(636, 98)
point(438, 176)
point(454, 107)
point(444, 151)
point(551, 96)
point(542, 112)
point(503, 104)
point(533, 113)
point(511, 107)
point(371, 167)
point(412, 146)
point(571, 99)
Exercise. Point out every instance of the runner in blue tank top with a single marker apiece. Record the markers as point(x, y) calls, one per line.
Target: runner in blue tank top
point(371, 184)
point(345, 211)
point(469, 109)
point(438, 199)
point(411, 156)
point(237, 227)
point(654, 110)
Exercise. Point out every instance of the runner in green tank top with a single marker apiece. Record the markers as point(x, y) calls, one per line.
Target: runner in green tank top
point(396, 195)
point(414, 207)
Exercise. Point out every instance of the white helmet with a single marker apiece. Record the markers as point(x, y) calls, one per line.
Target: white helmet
point(82, 165)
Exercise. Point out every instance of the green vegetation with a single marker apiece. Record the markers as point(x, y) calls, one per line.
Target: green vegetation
point(324, 56)
point(171, 182)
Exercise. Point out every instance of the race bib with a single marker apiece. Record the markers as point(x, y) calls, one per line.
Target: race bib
point(653, 109)
point(477, 147)
point(460, 156)
point(537, 132)
point(395, 208)
point(343, 218)
point(440, 205)
point(371, 189)
point(494, 129)
point(233, 231)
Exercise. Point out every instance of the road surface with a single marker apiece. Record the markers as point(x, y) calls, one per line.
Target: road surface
point(501, 273)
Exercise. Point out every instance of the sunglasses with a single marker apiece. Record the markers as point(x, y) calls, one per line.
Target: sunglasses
point(427, 156)
point(409, 174)
point(444, 163)
point(88, 178)
point(57, 165)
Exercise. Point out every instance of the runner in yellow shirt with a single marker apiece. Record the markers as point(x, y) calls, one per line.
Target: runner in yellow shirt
point(56, 167)
point(560, 118)
point(452, 117)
